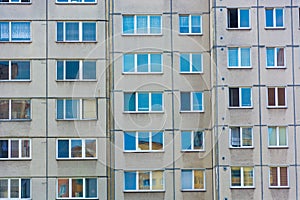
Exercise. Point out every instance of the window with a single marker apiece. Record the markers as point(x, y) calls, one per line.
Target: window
point(13, 70)
point(75, 188)
point(143, 102)
point(14, 1)
point(15, 188)
point(279, 177)
point(142, 63)
point(241, 137)
point(15, 109)
point(76, 1)
point(192, 101)
point(15, 31)
point(76, 109)
point(191, 63)
point(76, 32)
point(144, 180)
point(240, 97)
point(190, 24)
point(192, 141)
point(276, 97)
point(193, 179)
point(239, 57)
point(15, 149)
point(274, 18)
point(275, 57)
point(242, 177)
point(70, 70)
point(238, 18)
point(277, 136)
point(142, 24)
point(76, 149)
point(143, 141)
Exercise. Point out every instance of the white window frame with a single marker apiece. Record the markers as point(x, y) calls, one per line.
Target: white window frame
point(9, 73)
point(83, 140)
point(239, 19)
point(83, 188)
point(190, 24)
point(150, 177)
point(275, 58)
point(193, 176)
point(80, 78)
point(192, 141)
point(278, 177)
point(191, 103)
point(277, 137)
point(148, 25)
point(240, 99)
point(80, 110)
point(274, 18)
point(19, 147)
point(239, 59)
point(276, 98)
point(80, 32)
point(19, 2)
point(191, 64)
point(10, 32)
point(76, 2)
point(241, 137)
point(10, 110)
point(150, 141)
point(149, 64)
point(242, 177)
point(20, 188)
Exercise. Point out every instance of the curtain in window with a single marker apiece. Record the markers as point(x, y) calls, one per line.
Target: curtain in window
point(235, 137)
point(25, 145)
point(280, 57)
point(247, 136)
point(235, 176)
point(198, 179)
point(283, 176)
point(89, 31)
point(3, 188)
point(4, 109)
point(248, 176)
point(270, 57)
point(156, 101)
point(90, 148)
point(20, 31)
point(4, 70)
point(72, 31)
point(246, 96)
point(144, 180)
point(186, 179)
point(130, 180)
point(157, 141)
point(14, 188)
point(143, 101)
point(20, 109)
point(4, 31)
point(196, 24)
point(155, 61)
point(90, 187)
point(196, 62)
point(184, 62)
point(279, 17)
point(273, 176)
point(89, 109)
point(233, 57)
point(244, 18)
point(245, 57)
point(142, 62)
point(25, 188)
point(281, 96)
point(63, 188)
point(3, 148)
point(14, 148)
point(143, 141)
point(142, 24)
point(271, 96)
point(185, 100)
point(89, 70)
point(198, 140)
point(20, 70)
point(197, 101)
point(272, 136)
point(128, 24)
point(282, 136)
point(77, 187)
point(72, 109)
point(269, 18)
point(157, 180)
point(184, 24)
point(155, 24)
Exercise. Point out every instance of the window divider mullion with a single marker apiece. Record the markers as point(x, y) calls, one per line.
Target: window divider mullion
point(80, 70)
point(64, 31)
point(190, 24)
point(149, 62)
point(241, 137)
point(193, 182)
point(277, 136)
point(9, 70)
point(242, 177)
point(150, 181)
point(150, 140)
point(136, 101)
point(192, 140)
point(81, 108)
point(137, 180)
point(278, 176)
point(150, 101)
point(148, 24)
point(134, 24)
point(10, 32)
point(84, 185)
point(20, 148)
point(70, 148)
point(9, 148)
point(191, 101)
point(9, 109)
point(70, 187)
point(83, 148)
point(135, 62)
point(191, 62)
point(80, 34)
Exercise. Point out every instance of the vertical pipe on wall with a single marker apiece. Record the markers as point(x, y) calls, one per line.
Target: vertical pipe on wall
point(47, 102)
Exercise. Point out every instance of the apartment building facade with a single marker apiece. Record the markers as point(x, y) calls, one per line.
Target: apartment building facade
point(148, 100)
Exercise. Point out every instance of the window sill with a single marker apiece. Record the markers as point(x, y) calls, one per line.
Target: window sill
point(239, 148)
point(240, 187)
point(245, 107)
point(274, 28)
point(239, 29)
point(15, 120)
point(142, 73)
point(192, 111)
point(193, 151)
point(76, 120)
point(278, 147)
point(144, 191)
point(143, 112)
point(73, 42)
point(15, 3)
point(76, 159)
point(191, 73)
point(145, 34)
point(150, 151)
point(239, 67)
point(193, 190)
point(279, 187)
point(15, 159)
point(17, 41)
point(275, 67)
point(76, 3)
point(277, 107)
point(190, 34)
point(15, 81)
point(77, 80)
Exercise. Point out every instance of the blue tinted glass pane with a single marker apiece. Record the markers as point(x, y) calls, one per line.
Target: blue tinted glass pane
point(233, 57)
point(72, 69)
point(25, 188)
point(246, 96)
point(183, 24)
point(142, 62)
point(186, 140)
point(128, 60)
point(279, 17)
point(196, 62)
point(270, 57)
point(143, 101)
point(3, 148)
point(197, 101)
point(157, 141)
point(90, 187)
point(4, 70)
point(4, 31)
point(185, 100)
point(60, 1)
point(129, 141)
point(59, 109)
point(156, 104)
point(186, 179)
point(245, 56)
point(20, 70)
point(155, 60)
point(89, 31)
point(90, 1)
point(72, 31)
point(128, 24)
point(60, 31)
point(59, 70)
point(142, 23)
point(89, 70)
point(269, 18)
point(63, 149)
point(155, 24)
point(244, 18)
point(20, 31)
point(196, 24)
point(129, 102)
point(72, 109)
point(184, 63)
point(130, 180)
